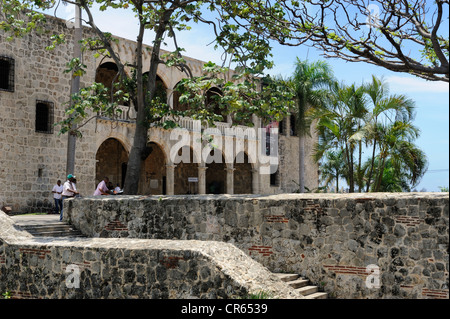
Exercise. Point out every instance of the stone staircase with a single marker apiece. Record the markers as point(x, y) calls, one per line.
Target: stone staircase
point(57, 229)
point(303, 286)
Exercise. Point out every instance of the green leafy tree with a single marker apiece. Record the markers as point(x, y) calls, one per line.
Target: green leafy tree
point(401, 36)
point(332, 169)
point(249, 51)
point(397, 149)
point(385, 108)
point(337, 122)
point(368, 115)
point(309, 81)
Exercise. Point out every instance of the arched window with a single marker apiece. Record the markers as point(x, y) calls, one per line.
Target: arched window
point(177, 106)
point(107, 74)
point(161, 88)
point(212, 96)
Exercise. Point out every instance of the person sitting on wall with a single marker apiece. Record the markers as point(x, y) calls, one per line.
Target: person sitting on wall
point(117, 190)
point(102, 187)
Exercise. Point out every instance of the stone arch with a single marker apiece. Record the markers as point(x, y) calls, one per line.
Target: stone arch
point(243, 174)
point(216, 175)
point(110, 158)
point(175, 100)
point(115, 134)
point(161, 86)
point(106, 73)
point(185, 171)
point(212, 104)
point(153, 171)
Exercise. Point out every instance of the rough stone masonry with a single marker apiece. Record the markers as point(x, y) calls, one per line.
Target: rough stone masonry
point(336, 241)
point(61, 268)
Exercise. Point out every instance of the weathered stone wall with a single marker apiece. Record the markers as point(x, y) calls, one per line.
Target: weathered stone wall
point(328, 238)
point(128, 268)
point(31, 161)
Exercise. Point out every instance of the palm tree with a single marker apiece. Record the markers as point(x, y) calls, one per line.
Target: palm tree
point(386, 108)
point(397, 149)
point(337, 121)
point(333, 168)
point(368, 114)
point(310, 80)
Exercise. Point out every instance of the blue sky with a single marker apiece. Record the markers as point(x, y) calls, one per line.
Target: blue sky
point(432, 98)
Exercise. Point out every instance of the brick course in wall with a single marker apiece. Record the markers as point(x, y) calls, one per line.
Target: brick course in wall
point(328, 238)
point(114, 268)
point(262, 250)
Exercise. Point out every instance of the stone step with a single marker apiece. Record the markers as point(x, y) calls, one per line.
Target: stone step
point(299, 283)
point(307, 290)
point(302, 286)
point(39, 228)
point(317, 295)
point(52, 230)
point(74, 233)
point(287, 277)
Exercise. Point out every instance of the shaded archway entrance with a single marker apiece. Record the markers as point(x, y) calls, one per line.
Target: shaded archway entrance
point(111, 161)
point(216, 176)
point(186, 173)
point(153, 172)
point(242, 174)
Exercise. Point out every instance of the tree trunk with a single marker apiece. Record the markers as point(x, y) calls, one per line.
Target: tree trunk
point(337, 183)
point(135, 159)
point(350, 171)
point(371, 166)
point(301, 162)
point(360, 176)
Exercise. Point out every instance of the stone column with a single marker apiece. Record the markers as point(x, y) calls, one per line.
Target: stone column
point(202, 179)
point(170, 176)
point(255, 181)
point(169, 94)
point(230, 179)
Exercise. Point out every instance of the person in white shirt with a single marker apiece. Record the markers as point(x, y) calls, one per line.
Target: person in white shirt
point(69, 190)
point(117, 190)
point(102, 187)
point(57, 197)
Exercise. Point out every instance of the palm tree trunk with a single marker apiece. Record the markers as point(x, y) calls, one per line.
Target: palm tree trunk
point(360, 182)
point(301, 162)
point(380, 173)
point(371, 166)
point(337, 182)
point(350, 171)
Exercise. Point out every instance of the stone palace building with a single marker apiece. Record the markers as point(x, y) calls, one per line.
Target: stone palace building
point(34, 91)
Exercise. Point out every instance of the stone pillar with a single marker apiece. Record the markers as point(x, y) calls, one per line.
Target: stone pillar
point(169, 94)
point(230, 179)
point(202, 179)
point(170, 178)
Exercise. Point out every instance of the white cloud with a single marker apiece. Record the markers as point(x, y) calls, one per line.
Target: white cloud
point(416, 85)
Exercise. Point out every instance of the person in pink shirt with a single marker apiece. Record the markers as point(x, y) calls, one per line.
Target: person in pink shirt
point(102, 187)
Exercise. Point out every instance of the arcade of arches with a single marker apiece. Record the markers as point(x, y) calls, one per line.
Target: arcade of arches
point(160, 178)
